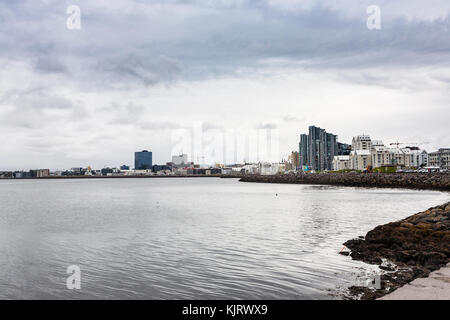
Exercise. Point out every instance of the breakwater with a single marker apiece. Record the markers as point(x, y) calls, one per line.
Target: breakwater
point(426, 181)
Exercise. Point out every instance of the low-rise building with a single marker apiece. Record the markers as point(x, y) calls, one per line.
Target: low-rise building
point(400, 157)
point(267, 168)
point(341, 163)
point(6, 174)
point(180, 159)
point(360, 159)
point(380, 156)
point(40, 173)
point(419, 158)
point(440, 158)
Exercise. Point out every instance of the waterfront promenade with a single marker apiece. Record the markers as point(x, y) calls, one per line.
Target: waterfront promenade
point(435, 287)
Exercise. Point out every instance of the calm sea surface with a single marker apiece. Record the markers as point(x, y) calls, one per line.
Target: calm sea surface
point(202, 238)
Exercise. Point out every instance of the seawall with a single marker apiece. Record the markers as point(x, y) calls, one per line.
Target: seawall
point(425, 181)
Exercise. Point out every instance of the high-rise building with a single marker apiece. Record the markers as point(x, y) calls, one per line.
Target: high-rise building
point(317, 149)
point(143, 160)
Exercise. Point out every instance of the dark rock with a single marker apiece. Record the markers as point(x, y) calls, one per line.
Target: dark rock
point(433, 181)
point(417, 245)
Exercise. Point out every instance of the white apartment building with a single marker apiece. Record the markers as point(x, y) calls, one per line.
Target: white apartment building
point(404, 157)
point(419, 158)
point(361, 142)
point(267, 168)
point(341, 163)
point(360, 159)
point(367, 152)
point(400, 157)
point(440, 158)
point(377, 143)
point(381, 156)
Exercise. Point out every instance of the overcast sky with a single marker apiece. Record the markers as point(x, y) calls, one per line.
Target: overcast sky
point(138, 70)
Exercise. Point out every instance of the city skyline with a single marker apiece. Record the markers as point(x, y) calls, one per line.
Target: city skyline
point(68, 99)
point(188, 158)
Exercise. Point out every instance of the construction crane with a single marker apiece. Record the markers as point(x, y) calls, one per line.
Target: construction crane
point(412, 144)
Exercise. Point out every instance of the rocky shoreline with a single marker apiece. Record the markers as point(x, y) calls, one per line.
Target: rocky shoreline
point(413, 247)
point(425, 181)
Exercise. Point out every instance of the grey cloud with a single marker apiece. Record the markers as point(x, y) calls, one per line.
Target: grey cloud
point(138, 67)
point(151, 42)
point(129, 113)
point(129, 50)
point(50, 65)
point(40, 102)
point(29, 109)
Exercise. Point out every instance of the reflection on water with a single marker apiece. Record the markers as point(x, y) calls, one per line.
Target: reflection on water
point(202, 238)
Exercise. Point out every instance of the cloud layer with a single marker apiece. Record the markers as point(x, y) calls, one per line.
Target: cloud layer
point(138, 69)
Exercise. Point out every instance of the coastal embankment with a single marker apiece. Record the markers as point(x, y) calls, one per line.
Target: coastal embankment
point(407, 249)
point(425, 181)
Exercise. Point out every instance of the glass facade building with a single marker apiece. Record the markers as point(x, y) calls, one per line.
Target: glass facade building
point(143, 160)
point(317, 149)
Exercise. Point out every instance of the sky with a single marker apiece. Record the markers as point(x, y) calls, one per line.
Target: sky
point(137, 74)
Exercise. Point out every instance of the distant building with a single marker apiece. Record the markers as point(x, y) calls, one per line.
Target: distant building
point(344, 149)
point(180, 159)
point(377, 143)
point(124, 167)
point(360, 156)
point(317, 149)
point(362, 142)
point(267, 168)
point(106, 171)
point(341, 163)
point(161, 168)
point(440, 158)
point(143, 160)
point(40, 173)
point(294, 160)
point(419, 158)
point(400, 157)
point(381, 156)
point(227, 170)
point(360, 159)
point(22, 174)
point(6, 174)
